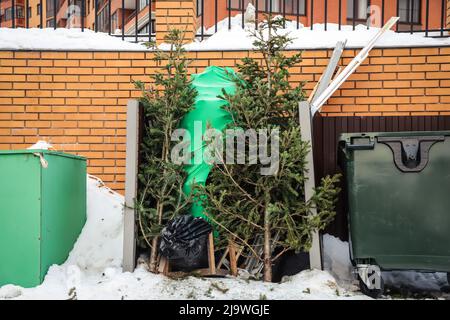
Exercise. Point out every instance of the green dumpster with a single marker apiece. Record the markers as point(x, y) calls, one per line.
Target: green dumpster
point(398, 186)
point(43, 200)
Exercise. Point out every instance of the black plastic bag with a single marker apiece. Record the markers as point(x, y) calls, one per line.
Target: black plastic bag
point(184, 243)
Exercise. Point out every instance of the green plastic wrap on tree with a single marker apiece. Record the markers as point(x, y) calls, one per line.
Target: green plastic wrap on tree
point(208, 110)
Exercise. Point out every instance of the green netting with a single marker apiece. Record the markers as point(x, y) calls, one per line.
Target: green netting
point(208, 109)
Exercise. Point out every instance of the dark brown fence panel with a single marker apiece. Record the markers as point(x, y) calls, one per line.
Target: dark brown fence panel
point(326, 134)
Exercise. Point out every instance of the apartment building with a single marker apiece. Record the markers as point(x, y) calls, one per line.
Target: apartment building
point(411, 12)
point(101, 15)
point(110, 15)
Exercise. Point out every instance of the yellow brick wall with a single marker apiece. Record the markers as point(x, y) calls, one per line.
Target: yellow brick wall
point(77, 100)
point(175, 14)
point(448, 14)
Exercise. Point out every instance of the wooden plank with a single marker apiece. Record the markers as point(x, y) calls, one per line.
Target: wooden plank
point(318, 145)
point(318, 102)
point(163, 266)
point(211, 256)
point(395, 124)
point(389, 125)
point(223, 258)
point(325, 78)
point(441, 123)
point(131, 170)
point(315, 257)
point(233, 259)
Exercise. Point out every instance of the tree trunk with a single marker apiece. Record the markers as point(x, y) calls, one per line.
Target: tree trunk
point(267, 246)
point(153, 265)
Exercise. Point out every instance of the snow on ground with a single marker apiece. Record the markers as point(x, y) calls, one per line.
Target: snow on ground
point(61, 39)
point(93, 269)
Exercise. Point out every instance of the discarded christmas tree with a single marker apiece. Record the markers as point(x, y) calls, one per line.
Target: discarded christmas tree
point(267, 199)
point(165, 103)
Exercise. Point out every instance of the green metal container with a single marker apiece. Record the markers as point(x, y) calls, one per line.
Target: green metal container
point(398, 199)
point(43, 209)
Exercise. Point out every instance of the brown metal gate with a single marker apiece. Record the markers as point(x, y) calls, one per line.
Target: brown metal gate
point(327, 131)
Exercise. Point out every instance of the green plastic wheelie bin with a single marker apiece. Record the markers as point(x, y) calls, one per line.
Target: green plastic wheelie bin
point(43, 209)
point(398, 196)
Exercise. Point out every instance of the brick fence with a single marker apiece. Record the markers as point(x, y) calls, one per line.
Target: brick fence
point(77, 100)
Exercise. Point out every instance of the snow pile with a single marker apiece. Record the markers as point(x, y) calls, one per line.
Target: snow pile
point(238, 38)
point(100, 244)
point(93, 269)
point(336, 259)
point(141, 284)
point(61, 39)
point(41, 145)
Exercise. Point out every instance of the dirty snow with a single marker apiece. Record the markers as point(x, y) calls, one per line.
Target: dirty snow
point(93, 269)
point(336, 258)
point(61, 39)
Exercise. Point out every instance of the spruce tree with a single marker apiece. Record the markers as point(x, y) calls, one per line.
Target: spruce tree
point(240, 201)
point(169, 98)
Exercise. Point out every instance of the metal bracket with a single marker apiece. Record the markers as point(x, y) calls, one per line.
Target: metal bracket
point(411, 154)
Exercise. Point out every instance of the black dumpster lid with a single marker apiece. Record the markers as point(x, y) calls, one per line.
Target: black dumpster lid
point(348, 136)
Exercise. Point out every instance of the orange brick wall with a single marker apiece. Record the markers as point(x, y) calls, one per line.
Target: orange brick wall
point(448, 14)
point(77, 100)
point(175, 14)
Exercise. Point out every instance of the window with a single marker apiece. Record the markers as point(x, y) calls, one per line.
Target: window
point(8, 14)
point(88, 6)
point(50, 23)
point(409, 11)
point(199, 8)
point(114, 22)
point(38, 9)
point(29, 12)
point(19, 12)
point(143, 30)
point(359, 7)
point(103, 19)
point(50, 8)
point(142, 4)
point(278, 6)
